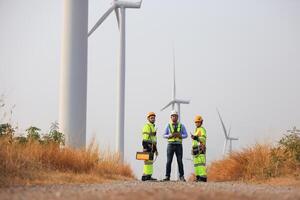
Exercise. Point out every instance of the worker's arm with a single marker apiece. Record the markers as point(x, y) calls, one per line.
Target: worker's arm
point(146, 138)
point(146, 133)
point(167, 134)
point(202, 138)
point(183, 132)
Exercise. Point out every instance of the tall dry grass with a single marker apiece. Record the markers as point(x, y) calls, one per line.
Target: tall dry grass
point(33, 162)
point(260, 162)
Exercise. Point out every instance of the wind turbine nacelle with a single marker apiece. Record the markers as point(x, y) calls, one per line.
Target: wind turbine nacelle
point(181, 101)
point(127, 4)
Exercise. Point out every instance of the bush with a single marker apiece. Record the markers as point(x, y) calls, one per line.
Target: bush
point(260, 162)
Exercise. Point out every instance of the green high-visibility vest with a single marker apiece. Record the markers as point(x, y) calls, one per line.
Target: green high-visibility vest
point(172, 131)
point(201, 133)
point(149, 133)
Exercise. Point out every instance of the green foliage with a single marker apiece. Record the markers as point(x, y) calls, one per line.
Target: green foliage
point(291, 143)
point(20, 139)
point(54, 136)
point(7, 131)
point(33, 133)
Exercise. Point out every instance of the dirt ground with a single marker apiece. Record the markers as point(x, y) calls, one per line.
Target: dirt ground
point(152, 190)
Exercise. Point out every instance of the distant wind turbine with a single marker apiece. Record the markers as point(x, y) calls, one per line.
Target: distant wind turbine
point(119, 6)
point(227, 136)
point(174, 101)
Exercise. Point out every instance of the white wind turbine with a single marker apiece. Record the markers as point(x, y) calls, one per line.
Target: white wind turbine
point(227, 136)
point(174, 101)
point(119, 6)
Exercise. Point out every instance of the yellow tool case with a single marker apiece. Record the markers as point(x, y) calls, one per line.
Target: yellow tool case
point(144, 156)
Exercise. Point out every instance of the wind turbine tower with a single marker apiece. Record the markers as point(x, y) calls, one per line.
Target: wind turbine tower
point(73, 73)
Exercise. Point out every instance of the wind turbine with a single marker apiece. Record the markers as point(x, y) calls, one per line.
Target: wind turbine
point(174, 101)
point(119, 7)
point(227, 136)
point(73, 73)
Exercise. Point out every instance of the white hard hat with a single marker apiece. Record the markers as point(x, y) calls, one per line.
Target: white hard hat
point(174, 112)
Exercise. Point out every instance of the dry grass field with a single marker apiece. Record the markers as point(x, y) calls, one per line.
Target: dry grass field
point(36, 163)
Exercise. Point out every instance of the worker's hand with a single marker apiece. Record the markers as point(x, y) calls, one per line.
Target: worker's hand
point(176, 135)
point(195, 137)
point(170, 136)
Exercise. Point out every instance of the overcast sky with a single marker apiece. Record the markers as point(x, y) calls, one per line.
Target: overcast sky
point(241, 56)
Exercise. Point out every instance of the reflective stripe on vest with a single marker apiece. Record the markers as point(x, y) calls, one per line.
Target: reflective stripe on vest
point(172, 130)
point(199, 164)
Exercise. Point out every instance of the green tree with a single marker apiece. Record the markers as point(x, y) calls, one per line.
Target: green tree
point(7, 131)
point(291, 143)
point(54, 135)
point(33, 133)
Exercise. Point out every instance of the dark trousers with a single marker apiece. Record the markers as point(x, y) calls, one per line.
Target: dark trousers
point(177, 149)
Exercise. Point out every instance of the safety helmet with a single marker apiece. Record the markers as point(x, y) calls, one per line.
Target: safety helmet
point(174, 112)
point(150, 114)
point(198, 118)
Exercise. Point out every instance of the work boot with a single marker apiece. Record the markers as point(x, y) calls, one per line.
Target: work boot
point(197, 179)
point(181, 178)
point(203, 179)
point(152, 179)
point(146, 177)
point(167, 178)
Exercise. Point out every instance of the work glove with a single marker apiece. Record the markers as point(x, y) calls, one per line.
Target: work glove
point(195, 137)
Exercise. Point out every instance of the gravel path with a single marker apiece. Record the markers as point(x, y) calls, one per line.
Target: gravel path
point(137, 190)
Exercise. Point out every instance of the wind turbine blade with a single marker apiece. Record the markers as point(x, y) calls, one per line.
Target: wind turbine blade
point(223, 126)
point(166, 106)
point(117, 14)
point(229, 131)
point(101, 20)
point(174, 78)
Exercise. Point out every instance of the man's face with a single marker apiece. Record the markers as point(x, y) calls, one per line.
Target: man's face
point(174, 118)
point(151, 119)
point(198, 124)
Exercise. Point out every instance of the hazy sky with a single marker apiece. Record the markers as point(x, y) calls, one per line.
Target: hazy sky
point(241, 56)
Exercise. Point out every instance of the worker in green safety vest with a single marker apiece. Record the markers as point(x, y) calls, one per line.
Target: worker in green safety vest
point(199, 150)
point(149, 145)
point(175, 132)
